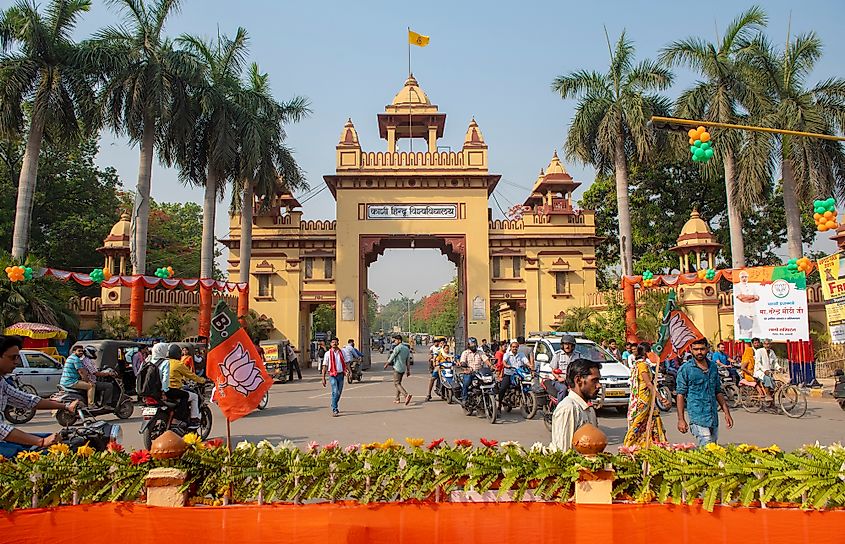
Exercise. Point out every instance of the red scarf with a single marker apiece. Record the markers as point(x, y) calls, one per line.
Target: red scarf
point(335, 352)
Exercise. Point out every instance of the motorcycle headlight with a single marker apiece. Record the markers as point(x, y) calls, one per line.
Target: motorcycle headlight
point(116, 433)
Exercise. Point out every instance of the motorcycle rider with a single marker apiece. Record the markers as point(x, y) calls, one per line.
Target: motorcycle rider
point(179, 372)
point(351, 353)
point(13, 441)
point(560, 363)
point(106, 389)
point(472, 359)
point(434, 352)
point(75, 375)
point(512, 360)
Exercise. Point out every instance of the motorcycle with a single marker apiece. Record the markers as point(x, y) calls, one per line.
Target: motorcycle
point(355, 372)
point(19, 416)
point(481, 395)
point(545, 401)
point(447, 386)
point(160, 416)
point(122, 405)
point(729, 388)
point(839, 388)
point(665, 390)
point(94, 433)
point(520, 393)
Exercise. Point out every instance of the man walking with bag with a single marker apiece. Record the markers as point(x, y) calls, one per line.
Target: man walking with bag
point(399, 360)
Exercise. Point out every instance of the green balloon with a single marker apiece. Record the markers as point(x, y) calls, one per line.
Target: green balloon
point(692, 149)
point(698, 143)
point(831, 201)
point(705, 145)
point(708, 153)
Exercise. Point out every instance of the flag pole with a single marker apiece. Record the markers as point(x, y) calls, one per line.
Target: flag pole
point(410, 111)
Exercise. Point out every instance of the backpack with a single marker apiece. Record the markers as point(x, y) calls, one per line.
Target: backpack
point(149, 380)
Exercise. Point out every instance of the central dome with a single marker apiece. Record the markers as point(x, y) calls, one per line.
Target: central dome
point(411, 94)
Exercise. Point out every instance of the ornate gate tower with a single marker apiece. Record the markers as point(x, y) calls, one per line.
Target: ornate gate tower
point(427, 198)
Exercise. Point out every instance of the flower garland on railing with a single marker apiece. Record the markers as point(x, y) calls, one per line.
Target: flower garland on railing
point(812, 477)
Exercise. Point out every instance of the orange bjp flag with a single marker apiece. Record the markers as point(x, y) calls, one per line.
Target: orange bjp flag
point(240, 379)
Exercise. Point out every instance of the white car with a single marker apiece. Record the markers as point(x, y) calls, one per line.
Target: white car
point(40, 371)
point(615, 377)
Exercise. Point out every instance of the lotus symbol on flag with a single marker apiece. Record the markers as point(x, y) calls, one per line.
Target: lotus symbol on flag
point(240, 372)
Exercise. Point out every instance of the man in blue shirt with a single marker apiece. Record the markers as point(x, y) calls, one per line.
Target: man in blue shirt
point(723, 361)
point(699, 391)
point(75, 375)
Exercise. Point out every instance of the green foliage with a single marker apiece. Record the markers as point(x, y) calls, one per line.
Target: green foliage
point(173, 324)
point(437, 313)
point(380, 472)
point(598, 326)
point(119, 328)
point(324, 318)
point(258, 326)
point(75, 202)
point(40, 300)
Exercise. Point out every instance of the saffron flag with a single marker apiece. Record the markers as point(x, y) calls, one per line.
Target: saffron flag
point(682, 333)
point(240, 379)
point(417, 39)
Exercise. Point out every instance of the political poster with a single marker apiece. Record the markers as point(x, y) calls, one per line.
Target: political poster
point(832, 274)
point(770, 302)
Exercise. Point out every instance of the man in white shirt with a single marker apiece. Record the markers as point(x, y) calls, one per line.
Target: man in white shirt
point(560, 363)
point(350, 352)
point(512, 360)
point(334, 370)
point(574, 411)
point(762, 369)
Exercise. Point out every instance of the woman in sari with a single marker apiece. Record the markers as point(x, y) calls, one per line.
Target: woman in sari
point(644, 424)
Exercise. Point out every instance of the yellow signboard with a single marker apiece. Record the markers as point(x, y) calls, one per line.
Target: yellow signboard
point(832, 274)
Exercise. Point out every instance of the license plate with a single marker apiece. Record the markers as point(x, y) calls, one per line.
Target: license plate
point(149, 411)
point(612, 393)
point(447, 373)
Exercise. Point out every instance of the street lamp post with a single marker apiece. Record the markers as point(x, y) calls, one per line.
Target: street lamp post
point(408, 300)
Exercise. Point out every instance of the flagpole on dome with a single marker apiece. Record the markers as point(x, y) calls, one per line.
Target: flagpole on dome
point(410, 111)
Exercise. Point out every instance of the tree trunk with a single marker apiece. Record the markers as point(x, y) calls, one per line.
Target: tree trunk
point(246, 231)
point(734, 217)
point(26, 189)
point(209, 210)
point(141, 212)
point(626, 248)
point(790, 208)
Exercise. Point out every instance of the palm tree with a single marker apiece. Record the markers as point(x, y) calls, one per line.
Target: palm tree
point(41, 66)
point(718, 96)
point(810, 167)
point(611, 122)
point(212, 155)
point(268, 167)
point(145, 95)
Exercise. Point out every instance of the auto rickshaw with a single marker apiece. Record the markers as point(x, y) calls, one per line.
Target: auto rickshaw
point(275, 359)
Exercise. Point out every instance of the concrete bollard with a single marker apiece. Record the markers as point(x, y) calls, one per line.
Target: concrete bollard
point(163, 487)
point(595, 487)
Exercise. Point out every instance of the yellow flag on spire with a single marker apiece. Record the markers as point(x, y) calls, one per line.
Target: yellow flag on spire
point(417, 39)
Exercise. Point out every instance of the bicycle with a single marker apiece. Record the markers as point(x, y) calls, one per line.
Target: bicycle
point(787, 397)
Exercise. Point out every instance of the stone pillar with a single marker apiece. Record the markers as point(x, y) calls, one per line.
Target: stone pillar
point(163, 487)
point(391, 139)
point(432, 140)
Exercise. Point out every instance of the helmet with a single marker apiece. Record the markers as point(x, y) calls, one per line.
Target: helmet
point(472, 343)
point(174, 351)
point(568, 339)
point(90, 352)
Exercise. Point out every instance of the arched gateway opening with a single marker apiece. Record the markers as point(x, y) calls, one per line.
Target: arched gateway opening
point(372, 247)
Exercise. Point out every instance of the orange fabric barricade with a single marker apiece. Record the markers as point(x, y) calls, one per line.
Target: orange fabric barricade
point(125, 523)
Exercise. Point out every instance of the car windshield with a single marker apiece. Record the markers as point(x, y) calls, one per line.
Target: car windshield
point(589, 351)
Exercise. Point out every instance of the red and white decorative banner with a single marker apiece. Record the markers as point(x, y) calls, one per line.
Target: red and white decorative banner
point(150, 282)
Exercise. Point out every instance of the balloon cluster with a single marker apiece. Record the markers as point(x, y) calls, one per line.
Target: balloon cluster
point(19, 273)
point(99, 275)
point(708, 274)
point(699, 144)
point(164, 272)
point(825, 214)
point(648, 279)
point(799, 265)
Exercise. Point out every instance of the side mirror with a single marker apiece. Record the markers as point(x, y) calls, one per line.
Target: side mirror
point(541, 358)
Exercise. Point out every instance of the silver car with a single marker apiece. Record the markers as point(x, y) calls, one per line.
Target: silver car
point(40, 371)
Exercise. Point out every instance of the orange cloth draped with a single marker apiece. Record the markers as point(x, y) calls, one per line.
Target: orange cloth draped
point(428, 523)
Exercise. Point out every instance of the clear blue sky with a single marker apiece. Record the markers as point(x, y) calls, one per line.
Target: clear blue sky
point(487, 60)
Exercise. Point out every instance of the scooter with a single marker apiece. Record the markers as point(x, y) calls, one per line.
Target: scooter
point(545, 399)
point(122, 407)
point(160, 416)
point(94, 433)
point(447, 386)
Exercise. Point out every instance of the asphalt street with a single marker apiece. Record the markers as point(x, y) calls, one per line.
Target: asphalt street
point(299, 411)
